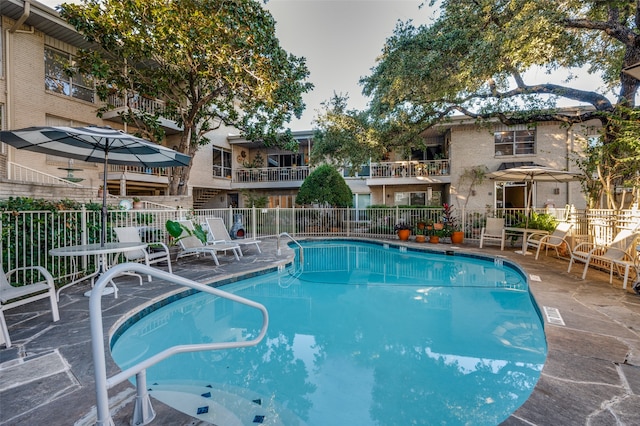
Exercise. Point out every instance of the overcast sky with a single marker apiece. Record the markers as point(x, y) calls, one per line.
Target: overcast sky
point(341, 39)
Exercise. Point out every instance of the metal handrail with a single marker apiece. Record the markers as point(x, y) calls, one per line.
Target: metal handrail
point(295, 241)
point(22, 173)
point(143, 412)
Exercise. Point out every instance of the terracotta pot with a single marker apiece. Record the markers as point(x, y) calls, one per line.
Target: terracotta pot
point(403, 234)
point(438, 226)
point(457, 237)
point(420, 239)
point(137, 205)
point(434, 239)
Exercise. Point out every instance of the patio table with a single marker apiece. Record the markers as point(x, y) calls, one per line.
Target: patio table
point(101, 252)
point(524, 232)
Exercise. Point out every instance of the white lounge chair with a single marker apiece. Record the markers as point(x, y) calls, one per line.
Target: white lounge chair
point(493, 231)
point(190, 245)
point(555, 240)
point(130, 234)
point(219, 234)
point(617, 254)
point(14, 296)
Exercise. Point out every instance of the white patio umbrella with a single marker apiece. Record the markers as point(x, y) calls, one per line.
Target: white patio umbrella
point(530, 174)
point(95, 145)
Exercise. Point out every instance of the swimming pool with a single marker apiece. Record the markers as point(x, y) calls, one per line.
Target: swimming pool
point(361, 334)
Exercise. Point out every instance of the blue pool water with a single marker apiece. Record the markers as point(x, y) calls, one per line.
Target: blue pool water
point(362, 334)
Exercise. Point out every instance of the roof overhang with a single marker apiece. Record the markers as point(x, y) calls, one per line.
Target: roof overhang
point(44, 19)
point(633, 71)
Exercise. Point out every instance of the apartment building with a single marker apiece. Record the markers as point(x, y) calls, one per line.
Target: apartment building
point(230, 170)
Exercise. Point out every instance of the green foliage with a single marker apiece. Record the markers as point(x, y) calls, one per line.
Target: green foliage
point(344, 136)
point(178, 231)
point(210, 61)
point(255, 199)
point(475, 58)
point(615, 163)
point(325, 186)
point(543, 221)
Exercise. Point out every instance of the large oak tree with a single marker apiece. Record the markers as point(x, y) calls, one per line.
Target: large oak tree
point(475, 59)
point(212, 62)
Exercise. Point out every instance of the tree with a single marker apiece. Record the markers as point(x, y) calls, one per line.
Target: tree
point(325, 186)
point(473, 59)
point(213, 63)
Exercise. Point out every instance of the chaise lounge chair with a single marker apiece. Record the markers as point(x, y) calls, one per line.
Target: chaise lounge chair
point(190, 245)
point(219, 234)
point(14, 296)
point(555, 240)
point(618, 253)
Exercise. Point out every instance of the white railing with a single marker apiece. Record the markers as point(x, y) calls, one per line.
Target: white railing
point(27, 236)
point(143, 411)
point(22, 173)
point(412, 168)
point(271, 174)
point(140, 103)
point(155, 171)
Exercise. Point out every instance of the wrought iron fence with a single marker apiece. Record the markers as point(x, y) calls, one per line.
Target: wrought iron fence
point(26, 237)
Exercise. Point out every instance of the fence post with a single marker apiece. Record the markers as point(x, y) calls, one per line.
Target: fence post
point(254, 221)
point(84, 233)
point(277, 220)
point(293, 219)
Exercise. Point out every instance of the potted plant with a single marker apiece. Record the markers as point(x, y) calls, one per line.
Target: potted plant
point(451, 226)
point(420, 237)
point(403, 230)
point(137, 203)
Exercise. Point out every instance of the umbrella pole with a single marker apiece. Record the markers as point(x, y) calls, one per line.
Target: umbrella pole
point(103, 214)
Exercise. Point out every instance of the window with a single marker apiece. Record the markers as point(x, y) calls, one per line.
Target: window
point(285, 160)
point(515, 142)
point(221, 162)
point(56, 79)
point(410, 199)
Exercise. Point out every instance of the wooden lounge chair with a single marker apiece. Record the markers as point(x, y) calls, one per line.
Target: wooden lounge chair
point(555, 240)
point(190, 245)
point(14, 296)
point(219, 234)
point(616, 254)
point(493, 231)
point(130, 234)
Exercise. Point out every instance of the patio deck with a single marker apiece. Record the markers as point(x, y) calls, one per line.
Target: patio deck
point(592, 373)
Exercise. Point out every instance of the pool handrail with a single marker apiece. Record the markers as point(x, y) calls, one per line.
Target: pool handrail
point(143, 412)
point(286, 234)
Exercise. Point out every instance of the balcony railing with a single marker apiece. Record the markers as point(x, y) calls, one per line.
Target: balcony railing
point(410, 169)
point(271, 174)
point(140, 103)
point(20, 173)
point(155, 171)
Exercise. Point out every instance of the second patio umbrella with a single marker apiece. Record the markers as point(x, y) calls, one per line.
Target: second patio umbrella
point(95, 145)
point(530, 174)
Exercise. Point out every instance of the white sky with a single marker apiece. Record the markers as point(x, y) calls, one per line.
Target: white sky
point(340, 40)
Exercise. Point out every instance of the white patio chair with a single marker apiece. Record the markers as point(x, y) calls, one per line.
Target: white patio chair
point(130, 234)
point(190, 245)
point(617, 254)
point(13, 296)
point(493, 231)
point(219, 234)
point(555, 240)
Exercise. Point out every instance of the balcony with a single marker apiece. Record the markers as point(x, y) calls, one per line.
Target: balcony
point(410, 172)
point(141, 104)
point(270, 177)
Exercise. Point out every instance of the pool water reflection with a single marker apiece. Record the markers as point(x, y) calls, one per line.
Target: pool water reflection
point(361, 335)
